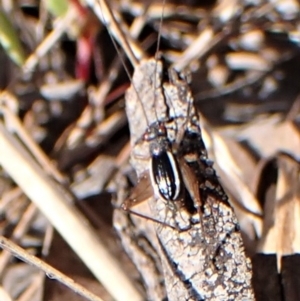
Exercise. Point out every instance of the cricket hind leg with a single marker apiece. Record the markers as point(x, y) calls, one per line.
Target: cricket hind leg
point(182, 211)
point(140, 193)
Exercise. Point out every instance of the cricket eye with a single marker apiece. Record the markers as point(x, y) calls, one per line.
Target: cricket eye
point(150, 134)
point(162, 131)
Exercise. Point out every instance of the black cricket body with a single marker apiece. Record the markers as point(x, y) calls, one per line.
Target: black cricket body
point(164, 171)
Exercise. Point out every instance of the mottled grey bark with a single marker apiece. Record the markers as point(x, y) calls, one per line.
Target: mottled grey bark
point(197, 248)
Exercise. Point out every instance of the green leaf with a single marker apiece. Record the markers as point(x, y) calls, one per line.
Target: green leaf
point(57, 7)
point(10, 40)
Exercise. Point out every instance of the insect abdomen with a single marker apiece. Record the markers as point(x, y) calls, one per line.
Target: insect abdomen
point(165, 175)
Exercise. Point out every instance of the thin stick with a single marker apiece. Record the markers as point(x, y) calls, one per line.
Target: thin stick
point(51, 272)
point(111, 19)
point(197, 49)
point(15, 124)
point(60, 28)
point(18, 233)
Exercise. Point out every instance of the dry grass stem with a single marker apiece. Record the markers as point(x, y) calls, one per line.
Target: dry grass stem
point(50, 200)
point(49, 270)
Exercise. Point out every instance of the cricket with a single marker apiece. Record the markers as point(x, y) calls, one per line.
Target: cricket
point(149, 150)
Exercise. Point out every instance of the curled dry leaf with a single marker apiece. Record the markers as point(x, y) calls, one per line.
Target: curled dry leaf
point(269, 134)
point(281, 201)
point(236, 166)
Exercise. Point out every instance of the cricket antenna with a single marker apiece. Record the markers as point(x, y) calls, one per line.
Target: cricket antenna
point(107, 16)
point(160, 28)
point(158, 47)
